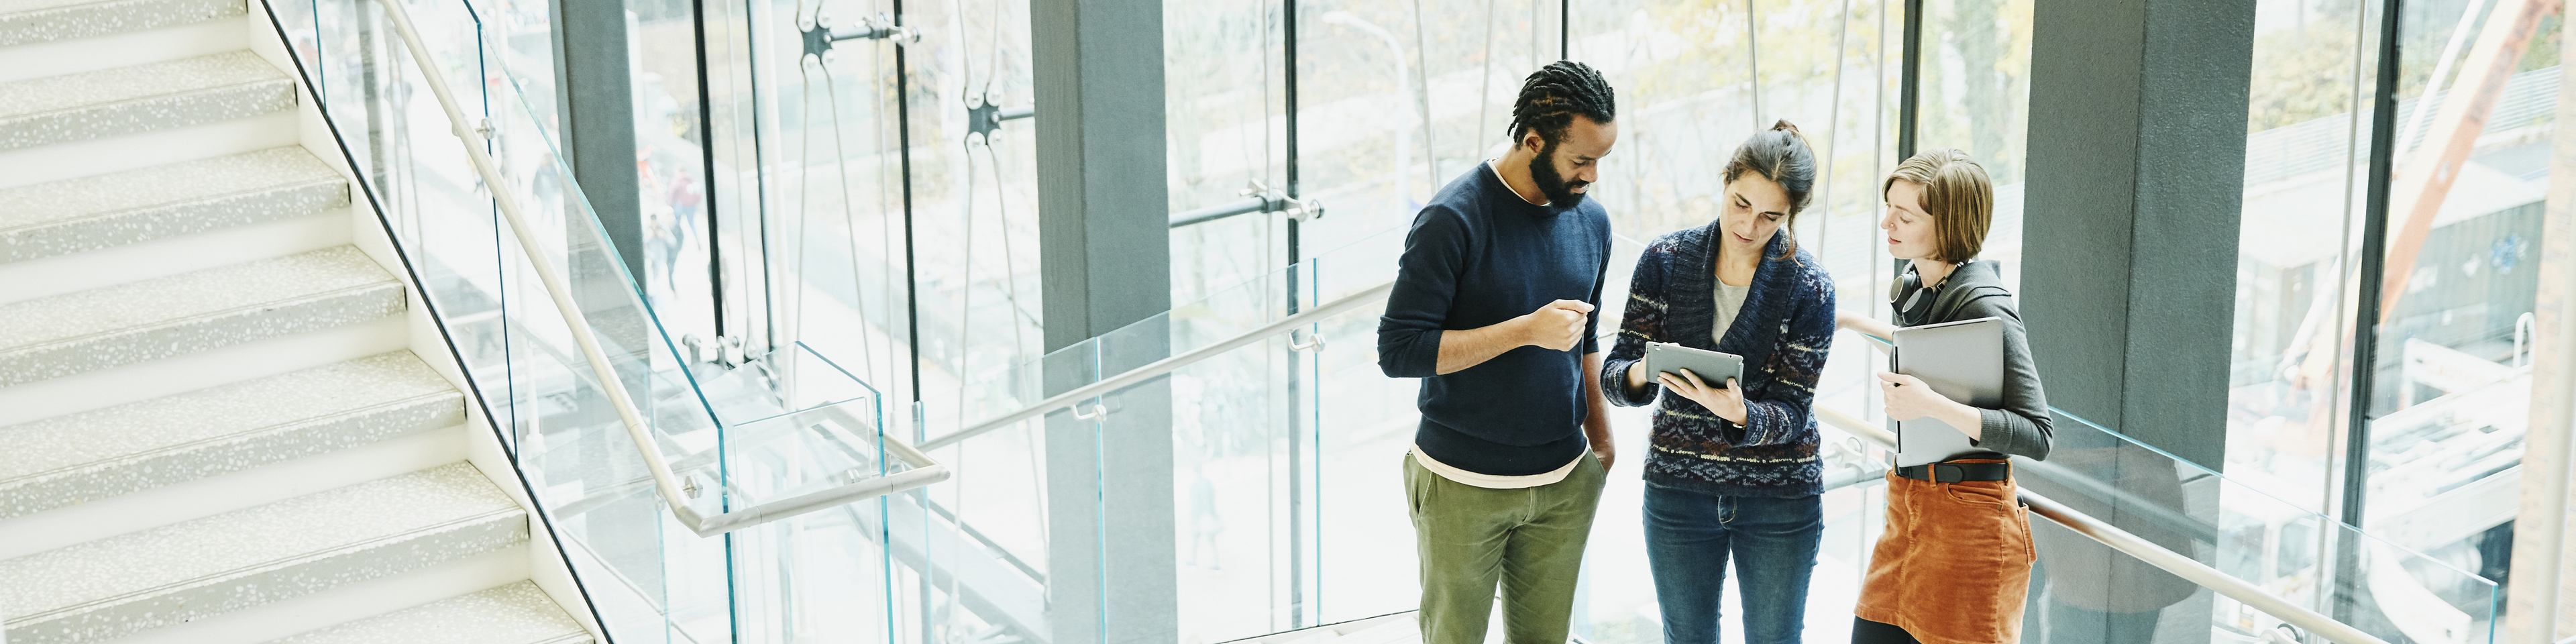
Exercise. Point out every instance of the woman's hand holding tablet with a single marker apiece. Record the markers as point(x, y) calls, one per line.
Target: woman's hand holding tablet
point(1709, 378)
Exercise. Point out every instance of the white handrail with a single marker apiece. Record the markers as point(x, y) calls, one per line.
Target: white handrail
point(2147, 551)
point(664, 481)
point(1067, 399)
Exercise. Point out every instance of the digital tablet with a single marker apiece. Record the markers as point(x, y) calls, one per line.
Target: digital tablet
point(1713, 368)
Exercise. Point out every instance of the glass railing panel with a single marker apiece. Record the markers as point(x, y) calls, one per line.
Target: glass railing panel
point(823, 576)
point(820, 577)
point(1243, 426)
point(2416, 576)
point(642, 570)
point(694, 602)
point(777, 427)
point(796, 424)
point(1243, 470)
point(2083, 591)
point(1364, 424)
point(972, 554)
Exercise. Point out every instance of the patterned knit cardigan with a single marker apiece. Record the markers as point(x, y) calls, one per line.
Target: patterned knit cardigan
point(1783, 331)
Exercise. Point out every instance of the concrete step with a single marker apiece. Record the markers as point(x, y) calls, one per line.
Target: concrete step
point(122, 208)
point(518, 613)
point(134, 447)
point(35, 21)
point(132, 583)
point(180, 314)
point(141, 98)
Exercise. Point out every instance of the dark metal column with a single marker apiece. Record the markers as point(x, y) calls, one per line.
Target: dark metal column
point(598, 112)
point(2136, 174)
point(2372, 261)
point(1909, 86)
point(2134, 185)
point(1104, 251)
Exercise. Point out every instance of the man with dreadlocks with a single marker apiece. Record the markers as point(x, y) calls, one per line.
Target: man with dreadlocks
point(1494, 309)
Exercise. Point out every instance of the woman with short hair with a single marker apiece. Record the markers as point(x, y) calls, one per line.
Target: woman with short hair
point(1954, 564)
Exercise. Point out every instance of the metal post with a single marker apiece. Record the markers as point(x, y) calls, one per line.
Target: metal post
point(598, 117)
point(1297, 501)
point(1909, 85)
point(2372, 265)
point(911, 261)
point(2130, 124)
point(707, 159)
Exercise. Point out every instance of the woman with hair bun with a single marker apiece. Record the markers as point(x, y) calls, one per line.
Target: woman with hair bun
point(1733, 473)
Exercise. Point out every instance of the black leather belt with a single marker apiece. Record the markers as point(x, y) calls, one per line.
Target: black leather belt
point(1956, 472)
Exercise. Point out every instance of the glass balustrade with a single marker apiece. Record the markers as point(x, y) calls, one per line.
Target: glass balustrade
point(2389, 583)
point(1285, 473)
point(740, 435)
point(2381, 583)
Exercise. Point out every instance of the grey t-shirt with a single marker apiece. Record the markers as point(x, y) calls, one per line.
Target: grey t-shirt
point(1730, 300)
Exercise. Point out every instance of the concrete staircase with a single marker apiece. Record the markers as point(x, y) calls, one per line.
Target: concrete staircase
point(212, 426)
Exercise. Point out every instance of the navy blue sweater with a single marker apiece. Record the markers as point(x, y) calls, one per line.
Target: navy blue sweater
point(1783, 331)
point(1479, 255)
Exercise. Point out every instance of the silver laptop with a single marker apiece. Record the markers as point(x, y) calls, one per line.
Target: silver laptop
point(1963, 361)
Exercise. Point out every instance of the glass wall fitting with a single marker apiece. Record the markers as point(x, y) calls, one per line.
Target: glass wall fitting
point(671, 160)
point(872, 242)
point(1226, 114)
point(2447, 394)
point(1975, 70)
point(2305, 172)
point(2432, 423)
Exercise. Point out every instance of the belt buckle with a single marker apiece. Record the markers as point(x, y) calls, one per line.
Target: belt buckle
point(1960, 474)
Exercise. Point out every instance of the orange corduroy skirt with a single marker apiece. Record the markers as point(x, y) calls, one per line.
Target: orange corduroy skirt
point(1954, 564)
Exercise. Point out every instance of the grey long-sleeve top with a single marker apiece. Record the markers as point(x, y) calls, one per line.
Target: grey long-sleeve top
point(1975, 290)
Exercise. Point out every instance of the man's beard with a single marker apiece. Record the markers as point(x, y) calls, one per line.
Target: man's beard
point(1559, 192)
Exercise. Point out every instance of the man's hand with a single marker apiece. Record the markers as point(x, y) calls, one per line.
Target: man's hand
point(1596, 420)
point(1557, 326)
point(1727, 402)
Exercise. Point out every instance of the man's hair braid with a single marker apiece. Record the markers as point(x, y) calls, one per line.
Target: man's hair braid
point(1554, 95)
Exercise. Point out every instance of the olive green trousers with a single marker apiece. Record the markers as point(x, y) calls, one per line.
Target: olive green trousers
point(1528, 542)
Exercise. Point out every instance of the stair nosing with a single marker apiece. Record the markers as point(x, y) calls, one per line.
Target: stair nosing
point(120, 102)
point(263, 305)
point(525, 613)
point(172, 205)
point(31, 14)
point(127, 460)
point(246, 571)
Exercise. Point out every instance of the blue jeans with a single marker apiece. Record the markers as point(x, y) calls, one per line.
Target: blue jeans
point(1689, 537)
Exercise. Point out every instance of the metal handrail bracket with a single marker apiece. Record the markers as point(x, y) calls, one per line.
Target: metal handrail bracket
point(665, 482)
point(1067, 399)
point(2147, 551)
